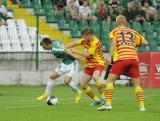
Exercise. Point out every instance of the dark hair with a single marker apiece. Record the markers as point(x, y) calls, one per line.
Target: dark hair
point(46, 41)
point(87, 31)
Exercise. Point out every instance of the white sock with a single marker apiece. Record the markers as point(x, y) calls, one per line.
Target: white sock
point(49, 87)
point(74, 87)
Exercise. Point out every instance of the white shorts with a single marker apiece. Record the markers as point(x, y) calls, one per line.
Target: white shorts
point(68, 70)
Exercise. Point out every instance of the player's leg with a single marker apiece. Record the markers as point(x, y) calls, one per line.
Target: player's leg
point(68, 81)
point(116, 70)
point(71, 70)
point(50, 83)
point(49, 86)
point(134, 74)
point(88, 90)
point(139, 94)
point(109, 92)
point(96, 78)
point(55, 74)
point(110, 88)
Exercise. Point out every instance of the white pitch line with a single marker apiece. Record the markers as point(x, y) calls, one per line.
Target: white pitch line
point(118, 98)
point(84, 97)
point(83, 101)
point(71, 98)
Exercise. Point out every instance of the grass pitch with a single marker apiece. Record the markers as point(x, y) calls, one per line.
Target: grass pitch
point(18, 103)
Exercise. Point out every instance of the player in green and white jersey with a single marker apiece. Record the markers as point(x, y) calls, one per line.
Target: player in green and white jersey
point(68, 67)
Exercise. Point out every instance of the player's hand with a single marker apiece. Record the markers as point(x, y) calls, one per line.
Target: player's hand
point(74, 50)
point(65, 48)
point(78, 58)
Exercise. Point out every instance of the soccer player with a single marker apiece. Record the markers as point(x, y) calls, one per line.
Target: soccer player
point(68, 67)
point(95, 62)
point(125, 41)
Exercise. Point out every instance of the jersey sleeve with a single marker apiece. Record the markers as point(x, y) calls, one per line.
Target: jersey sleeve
point(112, 35)
point(139, 38)
point(80, 41)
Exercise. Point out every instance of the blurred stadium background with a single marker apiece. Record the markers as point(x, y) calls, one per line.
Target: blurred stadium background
point(25, 22)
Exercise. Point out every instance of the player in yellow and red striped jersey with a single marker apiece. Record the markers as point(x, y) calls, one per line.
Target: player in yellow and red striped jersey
point(124, 42)
point(95, 62)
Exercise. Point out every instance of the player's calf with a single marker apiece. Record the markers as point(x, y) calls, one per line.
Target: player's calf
point(48, 90)
point(67, 81)
point(139, 94)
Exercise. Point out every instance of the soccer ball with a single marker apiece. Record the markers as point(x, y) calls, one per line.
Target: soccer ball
point(52, 100)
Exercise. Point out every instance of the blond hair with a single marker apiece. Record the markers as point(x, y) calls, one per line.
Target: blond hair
point(121, 20)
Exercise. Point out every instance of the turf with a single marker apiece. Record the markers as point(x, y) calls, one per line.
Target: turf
point(18, 103)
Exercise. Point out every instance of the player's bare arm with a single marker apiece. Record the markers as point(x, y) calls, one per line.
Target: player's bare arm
point(144, 43)
point(84, 53)
point(73, 44)
point(69, 52)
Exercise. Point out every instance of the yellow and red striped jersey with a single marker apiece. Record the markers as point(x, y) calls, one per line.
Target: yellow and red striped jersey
point(127, 42)
point(94, 47)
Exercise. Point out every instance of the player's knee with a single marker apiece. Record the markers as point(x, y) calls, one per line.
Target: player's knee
point(52, 77)
point(95, 77)
point(136, 82)
point(111, 78)
point(84, 86)
point(66, 82)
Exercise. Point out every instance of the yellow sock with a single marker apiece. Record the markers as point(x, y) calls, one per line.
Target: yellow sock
point(91, 94)
point(140, 97)
point(100, 88)
point(109, 93)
